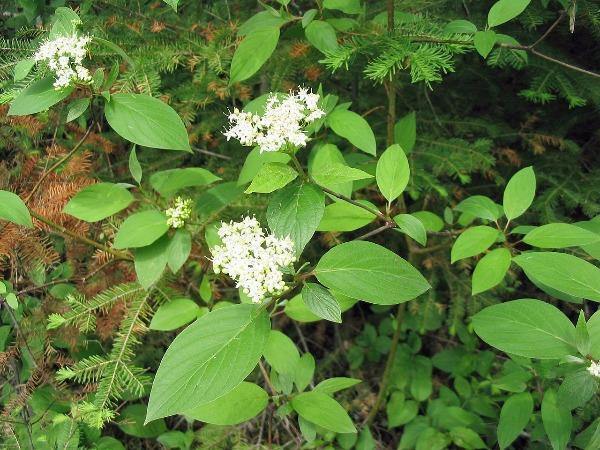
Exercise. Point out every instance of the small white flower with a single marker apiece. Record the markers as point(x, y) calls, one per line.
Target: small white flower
point(282, 123)
point(177, 215)
point(594, 368)
point(64, 56)
point(251, 258)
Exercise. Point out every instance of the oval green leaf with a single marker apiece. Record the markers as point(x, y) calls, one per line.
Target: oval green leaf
point(98, 201)
point(38, 97)
point(519, 193)
point(563, 272)
point(490, 270)
point(473, 241)
point(324, 411)
point(392, 173)
point(527, 327)
point(370, 272)
point(243, 403)
point(354, 128)
point(141, 229)
point(191, 372)
point(146, 121)
point(13, 209)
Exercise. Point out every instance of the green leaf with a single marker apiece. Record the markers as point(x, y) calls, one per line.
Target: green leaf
point(38, 96)
point(593, 327)
point(172, 3)
point(565, 273)
point(296, 211)
point(308, 17)
point(146, 121)
point(432, 439)
point(134, 166)
point(504, 10)
point(174, 314)
point(460, 26)
point(405, 132)
point(150, 261)
point(466, 438)
point(215, 200)
point(297, 310)
point(577, 389)
point(22, 68)
point(394, 409)
point(484, 42)
point(305, 371)
point(180, 246)
point(490, 270)
point(255, 160)
point(270, 177)
point(168, 182)
point(13, 209)
point(253, 52)
point(324, 411)
point(76, 108)
point(12, 300)
point(170, 439)
point(527, 327)
point(98, 201)
point(261, 20)
point(473, 241)
point(281, 353)
point(141, 229)
point(480, 206)
point(514, 417)
point(243, 403)
point(370, 272)
point(560, 235)
point(333, 385)
point(191, 372)
point(412, 226)
point(336, 173)
point(322, 36)
point(64, 22)
point(320, 158)
point(344, 216)
point(132, 423)
point(557, 420)
point(519, 193)
point(346, 6)
point(432, 222)
point(393, 172)
point(320, 301)
point(582, 334)
point(354, 128)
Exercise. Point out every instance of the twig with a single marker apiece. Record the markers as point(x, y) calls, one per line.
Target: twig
point(550, 29)
point(208, 152)
point(19, 332)
point(59, 162)
point(389, 363)
point(64, 231)
point(376, 231)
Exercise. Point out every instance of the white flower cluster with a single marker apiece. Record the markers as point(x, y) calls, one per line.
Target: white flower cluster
point(180, 212)
point(254, 260)
point(64, 56)
point(281, 124)
point(594, 368)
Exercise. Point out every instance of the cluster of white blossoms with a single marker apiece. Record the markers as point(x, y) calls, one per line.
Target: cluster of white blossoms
point(594, 368)
point(64, 56)
point(179, 213)
point(252, 258)
point(282, 123)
